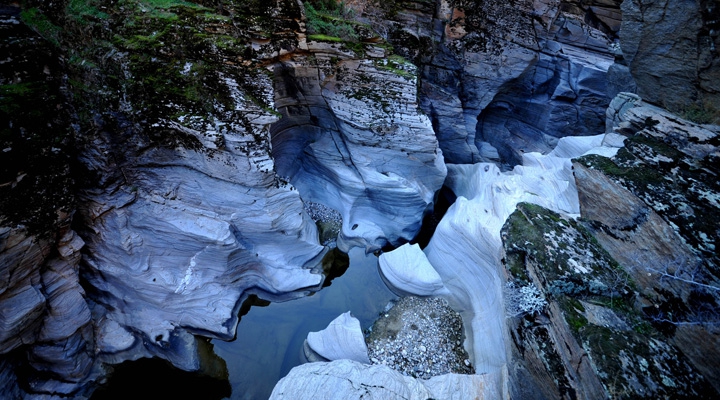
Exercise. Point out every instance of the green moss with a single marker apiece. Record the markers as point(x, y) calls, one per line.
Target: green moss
point(331, 19)
point(36, 20)
point(573, 310)
point(81, 10)
point(700, 113)
point(396, 64)
point(169, 3)
point(325, 38)
point(21, 98)
point(639, 176)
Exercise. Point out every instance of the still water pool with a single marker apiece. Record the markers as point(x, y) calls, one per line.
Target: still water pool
point(269, 340)
point(268, 344)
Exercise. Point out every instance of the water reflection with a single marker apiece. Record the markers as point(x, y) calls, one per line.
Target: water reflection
point(269, 339)
point(153, 378)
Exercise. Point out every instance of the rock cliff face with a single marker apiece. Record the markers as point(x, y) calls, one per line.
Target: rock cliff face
point(629, 285)
point(671, 49)
point(44, 318)
point(183, 209)
point(187, 216)
point(521, 75)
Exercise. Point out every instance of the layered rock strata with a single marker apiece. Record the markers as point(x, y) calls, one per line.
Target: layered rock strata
point(654, 208)
point(520, 75)
point(588, 339)
point(45, 327)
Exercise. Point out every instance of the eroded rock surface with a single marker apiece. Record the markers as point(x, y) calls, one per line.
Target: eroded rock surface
point(351, 380)
point(353, 139)
point(466, 249)
point(520, 75)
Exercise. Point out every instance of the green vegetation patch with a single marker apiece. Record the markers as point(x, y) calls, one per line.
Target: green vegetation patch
point(84, 9)
point(36, 20)
point(565, 255)
point(325, 38)
point(700, 113)
point(331, 19)
point(629, 360)
point(35, 131)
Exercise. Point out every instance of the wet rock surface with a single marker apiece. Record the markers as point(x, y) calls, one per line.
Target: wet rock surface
point(419, 337)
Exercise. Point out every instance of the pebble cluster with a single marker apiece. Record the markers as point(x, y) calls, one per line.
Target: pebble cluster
point(419, 337)
point(328, 221)
point(321, 212)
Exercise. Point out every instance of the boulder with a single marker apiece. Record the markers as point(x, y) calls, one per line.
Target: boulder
point(342, 339)
point(407, 270)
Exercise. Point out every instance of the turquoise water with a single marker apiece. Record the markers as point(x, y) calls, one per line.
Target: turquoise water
point(269, 339)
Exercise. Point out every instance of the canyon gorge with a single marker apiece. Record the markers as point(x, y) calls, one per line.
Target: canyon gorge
point(542, 173)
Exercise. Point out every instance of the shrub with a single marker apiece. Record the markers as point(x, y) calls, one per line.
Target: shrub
point(523, 300)
point(331, 19)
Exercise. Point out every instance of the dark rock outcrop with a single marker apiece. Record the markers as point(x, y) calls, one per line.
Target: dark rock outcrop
point(499, 79)
point(590, 341)
point(654, 208)
point(672, 50)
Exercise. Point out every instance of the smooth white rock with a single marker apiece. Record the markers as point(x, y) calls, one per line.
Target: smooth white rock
point(342, 339)
point(347, 380)
point(408, 270)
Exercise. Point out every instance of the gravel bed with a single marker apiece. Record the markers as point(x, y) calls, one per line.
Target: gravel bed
point(419, 337)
